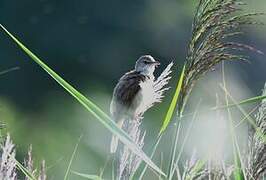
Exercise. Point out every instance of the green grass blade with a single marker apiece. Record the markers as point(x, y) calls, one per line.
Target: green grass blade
point(87, 176)
point(172, 106)
point(9, 70)
point(247, 117)
point(72, 158)
point(113, 169)
point(100, 115)
point(181, 149)
point(168, 116)
point(199, 165)
point(251, 100)
point(174, 147)
point(238, 172)
point(243, 102)
point(232, 105)
point(236, 152)
point(151, 156)
point(258, 131)
point(25, 170)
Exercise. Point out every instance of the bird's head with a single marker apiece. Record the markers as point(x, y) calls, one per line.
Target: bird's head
point(146, 65)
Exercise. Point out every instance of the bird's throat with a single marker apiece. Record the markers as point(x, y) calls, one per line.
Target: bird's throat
point(149, 75)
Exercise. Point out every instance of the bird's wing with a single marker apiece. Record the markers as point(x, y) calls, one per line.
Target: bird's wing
point(125, 92)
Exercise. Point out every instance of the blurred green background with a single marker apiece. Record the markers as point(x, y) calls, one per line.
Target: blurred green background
point(91, 44)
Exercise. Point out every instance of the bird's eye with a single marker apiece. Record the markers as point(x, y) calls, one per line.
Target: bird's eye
point(146, 62)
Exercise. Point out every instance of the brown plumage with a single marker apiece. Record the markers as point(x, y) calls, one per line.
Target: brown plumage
point(125, 93)
point(128, 96)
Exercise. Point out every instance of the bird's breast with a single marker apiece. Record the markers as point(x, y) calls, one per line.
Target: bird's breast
point(145, 95)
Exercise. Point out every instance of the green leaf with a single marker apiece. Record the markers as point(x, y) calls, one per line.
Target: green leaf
point(172, 106)
point(87, 176)
point(99, 114)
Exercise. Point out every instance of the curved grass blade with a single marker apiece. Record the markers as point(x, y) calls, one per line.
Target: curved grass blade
point(87, 176)
point(173, 104)
point(99, 114)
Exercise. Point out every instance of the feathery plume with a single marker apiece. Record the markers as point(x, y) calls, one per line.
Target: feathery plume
point(257, 146)
point(29, 163)
point(7, 161)
point(42, 174)
point(214, 22)
point(129, 162)
point(207, 171)
point(30, 167)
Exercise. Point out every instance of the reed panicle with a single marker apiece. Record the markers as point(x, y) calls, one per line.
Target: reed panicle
point(29, 163)
point(257, 146)
point(7, 161)
point(214, 22)
point(129, 162)
point(207, 171)
point(42, 173)
point(9, 164)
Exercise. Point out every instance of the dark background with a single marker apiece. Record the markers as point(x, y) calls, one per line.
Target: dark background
point(91, 44)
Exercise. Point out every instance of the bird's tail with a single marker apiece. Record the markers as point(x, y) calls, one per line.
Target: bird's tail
point(114, 141)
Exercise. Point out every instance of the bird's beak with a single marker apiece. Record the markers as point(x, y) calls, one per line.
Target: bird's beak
point(156, 63)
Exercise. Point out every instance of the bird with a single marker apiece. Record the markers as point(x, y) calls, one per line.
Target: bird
point(130, 93)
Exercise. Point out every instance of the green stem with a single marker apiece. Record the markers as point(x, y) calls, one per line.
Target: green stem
point(173, 149)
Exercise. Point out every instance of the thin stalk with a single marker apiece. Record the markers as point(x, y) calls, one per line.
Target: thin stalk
point(113, 169)
point(24, 170)
point(173, 149)
point(245, 117)
point(9, 70)
point(71, 159)
point(250, 120)
point(230, 105)
point(151, 156)
point(237, 172)
point(184, 142)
